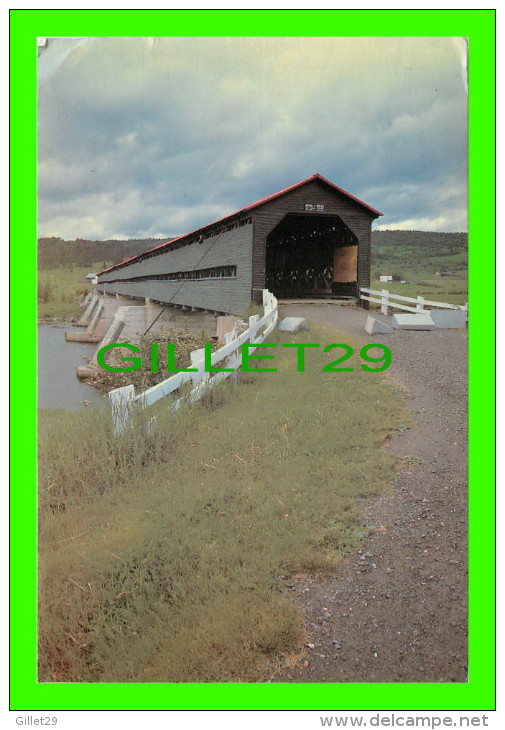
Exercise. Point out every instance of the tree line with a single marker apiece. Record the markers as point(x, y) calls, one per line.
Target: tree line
point(57, 252)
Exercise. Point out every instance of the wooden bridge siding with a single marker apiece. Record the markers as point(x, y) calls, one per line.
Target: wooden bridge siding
point(217, 295)
point(270, 214)
point(230, 248)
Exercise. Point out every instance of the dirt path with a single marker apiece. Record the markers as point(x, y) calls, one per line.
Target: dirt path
point(397, 609)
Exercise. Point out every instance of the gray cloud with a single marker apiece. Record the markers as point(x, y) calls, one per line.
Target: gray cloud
point(139, 137)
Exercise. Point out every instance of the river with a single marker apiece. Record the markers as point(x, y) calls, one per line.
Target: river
point(57, 384)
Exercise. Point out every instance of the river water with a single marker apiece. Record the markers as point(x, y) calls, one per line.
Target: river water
point(57, 384)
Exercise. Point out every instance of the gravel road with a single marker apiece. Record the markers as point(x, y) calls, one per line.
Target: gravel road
point(396, 611)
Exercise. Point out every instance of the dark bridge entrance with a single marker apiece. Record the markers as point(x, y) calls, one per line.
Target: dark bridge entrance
point(311, 255)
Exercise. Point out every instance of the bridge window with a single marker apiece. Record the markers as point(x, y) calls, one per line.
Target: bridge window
point(214, 272)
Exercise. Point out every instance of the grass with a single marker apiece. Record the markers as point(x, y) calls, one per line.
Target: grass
point(439, 289)
point(60, 291)
point(164, 553)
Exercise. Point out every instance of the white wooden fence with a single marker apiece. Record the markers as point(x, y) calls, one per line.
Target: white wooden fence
point(122, 399)
point(386, 298)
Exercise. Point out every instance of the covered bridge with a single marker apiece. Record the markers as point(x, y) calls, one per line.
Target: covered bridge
point(311, 239)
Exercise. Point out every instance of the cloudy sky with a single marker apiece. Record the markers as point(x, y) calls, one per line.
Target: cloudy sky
point(142, 137)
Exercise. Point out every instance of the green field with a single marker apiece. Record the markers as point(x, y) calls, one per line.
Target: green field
point(60, 290)
point(419, 254)
point(416, 257)
point(442, 289)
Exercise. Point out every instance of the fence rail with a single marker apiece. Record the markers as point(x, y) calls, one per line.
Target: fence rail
point(420, 302)
point(123, 399)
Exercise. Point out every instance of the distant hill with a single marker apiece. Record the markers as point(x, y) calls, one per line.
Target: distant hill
point(55, 252)
point(407, 253)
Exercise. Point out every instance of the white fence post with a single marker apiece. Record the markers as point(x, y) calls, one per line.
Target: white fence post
point(384, 305)
point(420, 304)
point(121, 400)
point(197, 361)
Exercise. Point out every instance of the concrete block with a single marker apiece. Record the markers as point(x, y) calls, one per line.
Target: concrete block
point(86, 300)
point(421, 321)
point(85, 371)
point(88, 314)
point(376, 327)
point(293, 324)
point(121, 400)
point(83, 337)
point(95, 335)
point(449, 318)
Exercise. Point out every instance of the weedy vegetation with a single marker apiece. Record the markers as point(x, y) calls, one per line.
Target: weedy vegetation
point(164, 552)
point(184, 342)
